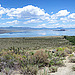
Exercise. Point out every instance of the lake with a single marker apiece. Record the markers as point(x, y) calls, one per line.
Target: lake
point(37, 33)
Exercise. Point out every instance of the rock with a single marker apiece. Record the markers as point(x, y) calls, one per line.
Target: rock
point(73, 53)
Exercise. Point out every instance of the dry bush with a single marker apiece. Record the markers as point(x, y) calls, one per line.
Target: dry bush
point(39, 57)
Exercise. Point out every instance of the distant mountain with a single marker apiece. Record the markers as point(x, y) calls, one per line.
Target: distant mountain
point(29, 28)
point(3, 31)
point(15, 28)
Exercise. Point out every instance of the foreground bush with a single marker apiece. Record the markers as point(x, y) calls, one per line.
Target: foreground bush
point(53, 69)
point(29, 70)
point(56, 61)
point(71, 39)
point(27, 61)
point(73, 68)
point(39, 57)
point(72, 59)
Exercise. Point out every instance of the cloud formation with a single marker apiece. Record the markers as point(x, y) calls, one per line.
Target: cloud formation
point(61, 13)
point(25, 12)
point(72, 16)
point(32, 14)
point(42, 25)
point(11, 22)
point(32, 21)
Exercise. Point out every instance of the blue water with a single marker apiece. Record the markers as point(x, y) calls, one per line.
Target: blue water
point(38, 33)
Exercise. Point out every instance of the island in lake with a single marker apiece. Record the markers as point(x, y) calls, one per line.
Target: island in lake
point(60, 30)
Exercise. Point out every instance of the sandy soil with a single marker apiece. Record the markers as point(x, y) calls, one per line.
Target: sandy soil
point(65, 70)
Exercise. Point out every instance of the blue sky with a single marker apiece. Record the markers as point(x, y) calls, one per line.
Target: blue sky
point(37, 13)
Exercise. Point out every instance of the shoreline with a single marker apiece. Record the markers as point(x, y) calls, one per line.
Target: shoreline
point(33, 37)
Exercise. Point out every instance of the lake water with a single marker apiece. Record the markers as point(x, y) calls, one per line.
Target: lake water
point(38, 33)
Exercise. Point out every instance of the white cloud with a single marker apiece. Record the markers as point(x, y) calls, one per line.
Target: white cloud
point(32, 21)
point(11, 22)
point(69, 18)
point(27, 12)
point(7, 18)
point(33, 14)
point(61, 13)
point(73, 20)
point(57, 17)
point(53, 21)
point(42, 25)
point(51, 12)
point(2, 11)
point(68, 25)
point(72, 16)
point(64, 20)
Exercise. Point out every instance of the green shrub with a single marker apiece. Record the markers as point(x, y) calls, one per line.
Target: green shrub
point(61, 53)
point(7, 70)
point(53, 69)
point(7, 57)
point(73, 68)
point(0, 68)
point(56, 61)
point(32, 53)
point(29, 70)
point(60, 49)
point(71, 39)
point(71, 55)
point(59, 63)
point(51, 63)
point(50, 55)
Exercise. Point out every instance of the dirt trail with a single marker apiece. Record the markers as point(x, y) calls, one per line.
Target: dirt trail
point(67, 70)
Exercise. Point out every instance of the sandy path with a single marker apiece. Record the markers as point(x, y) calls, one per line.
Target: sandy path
point(64, 70)
point(67, 70)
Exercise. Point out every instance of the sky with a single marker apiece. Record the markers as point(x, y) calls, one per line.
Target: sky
point(37, 13)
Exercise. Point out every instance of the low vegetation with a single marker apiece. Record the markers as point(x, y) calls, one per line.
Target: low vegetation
point(53, 69)
point(73, 68)
point(33, 43)
point(30, 61)
point(71, 39)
